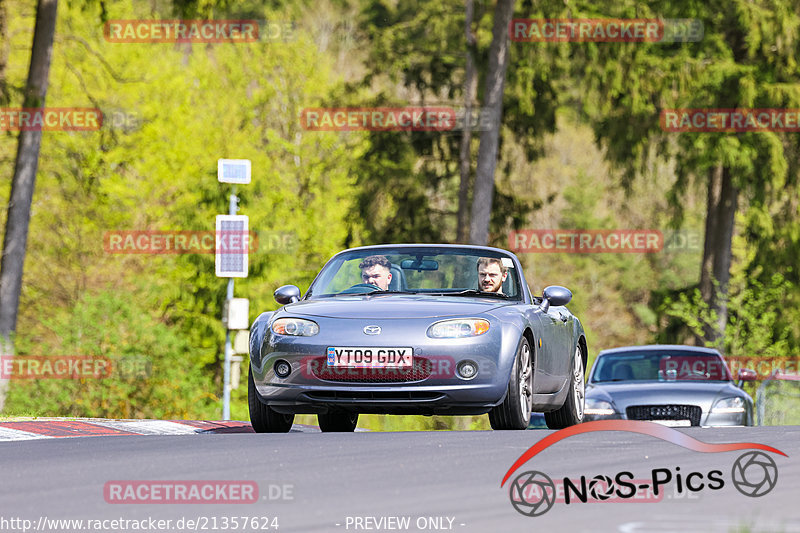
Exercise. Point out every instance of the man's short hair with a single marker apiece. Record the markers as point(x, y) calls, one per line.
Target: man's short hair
point(375, 260)
point(486, 261)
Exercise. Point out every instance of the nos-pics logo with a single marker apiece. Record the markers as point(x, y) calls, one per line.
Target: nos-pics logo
point(533, 493)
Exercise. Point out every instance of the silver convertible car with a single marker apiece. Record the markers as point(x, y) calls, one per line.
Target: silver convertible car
point(670, 384)
point(417, 329)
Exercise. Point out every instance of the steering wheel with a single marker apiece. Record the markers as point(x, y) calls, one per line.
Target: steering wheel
point(694, 373)
point(360, 288)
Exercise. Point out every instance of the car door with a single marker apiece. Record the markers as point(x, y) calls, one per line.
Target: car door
point(555, 351)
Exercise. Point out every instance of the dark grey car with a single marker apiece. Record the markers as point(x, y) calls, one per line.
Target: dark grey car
point(671, 384)
point(429, 343)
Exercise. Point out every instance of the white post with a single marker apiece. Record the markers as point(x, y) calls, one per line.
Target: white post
point(226, 392)
point(233, 171)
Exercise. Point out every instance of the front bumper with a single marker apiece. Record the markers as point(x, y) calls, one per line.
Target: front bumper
point(706, 419)
point(433, 386)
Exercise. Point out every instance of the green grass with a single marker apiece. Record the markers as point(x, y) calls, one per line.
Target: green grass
point(6, 416)
point(411, 422)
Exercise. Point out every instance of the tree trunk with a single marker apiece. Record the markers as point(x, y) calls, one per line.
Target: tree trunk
point(726, 217)
point(3, 58)
point(22, 184)
point(470, 80)
point(493, 106)
point(712, 203)
point(717, 254)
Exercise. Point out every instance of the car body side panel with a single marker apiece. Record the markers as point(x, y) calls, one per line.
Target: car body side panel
point(556, 366)
point(257, 332)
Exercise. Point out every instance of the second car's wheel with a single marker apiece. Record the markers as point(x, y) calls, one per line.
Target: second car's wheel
point(515, 411)
point(571, 412)
point(262, 418)
point(337, 421)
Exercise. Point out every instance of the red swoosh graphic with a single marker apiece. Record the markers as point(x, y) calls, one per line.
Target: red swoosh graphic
point(635, 426)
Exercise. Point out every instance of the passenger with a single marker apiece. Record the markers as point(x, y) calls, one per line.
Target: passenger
point(491, 274)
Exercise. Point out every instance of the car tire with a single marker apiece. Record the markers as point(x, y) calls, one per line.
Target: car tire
point(337, 421)
point(262, 417)
point(571, 413)
point(515, 411)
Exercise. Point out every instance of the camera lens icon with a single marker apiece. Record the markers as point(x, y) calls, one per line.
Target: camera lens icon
point(601, 488)
point(754, 474)
point(532, 493)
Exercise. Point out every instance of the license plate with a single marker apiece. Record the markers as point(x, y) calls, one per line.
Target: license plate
point(674, 423)
point(368, 357)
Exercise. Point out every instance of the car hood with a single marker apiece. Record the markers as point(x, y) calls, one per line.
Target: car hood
point(388, 306)
point(626, 394)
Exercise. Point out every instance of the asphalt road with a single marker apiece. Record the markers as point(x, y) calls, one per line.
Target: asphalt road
point(443, 481)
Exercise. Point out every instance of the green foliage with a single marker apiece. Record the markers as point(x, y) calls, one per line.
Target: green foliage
point(151, 372)
point(408, 183)
point(781, 404)
point(184, 107)
point(754, 326)
point(747, 58)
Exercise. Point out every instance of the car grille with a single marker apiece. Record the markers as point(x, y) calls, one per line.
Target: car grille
point(665, 412)
point(420, 369)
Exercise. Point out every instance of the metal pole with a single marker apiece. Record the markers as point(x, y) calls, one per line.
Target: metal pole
point(761, 399)
point(226, 396)
point(226, 391)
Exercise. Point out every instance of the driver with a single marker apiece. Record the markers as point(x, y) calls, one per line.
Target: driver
point(491, 274)
point(376, 270)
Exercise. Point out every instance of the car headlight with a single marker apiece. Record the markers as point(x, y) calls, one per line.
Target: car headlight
point(457, 328)
point(298, 327)
point(598, 408)
point(728, 405)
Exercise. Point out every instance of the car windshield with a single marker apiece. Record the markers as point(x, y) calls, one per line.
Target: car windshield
point(660, 366)
point(456, 272)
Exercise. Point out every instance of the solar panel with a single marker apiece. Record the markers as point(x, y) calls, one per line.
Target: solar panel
point(232, 246)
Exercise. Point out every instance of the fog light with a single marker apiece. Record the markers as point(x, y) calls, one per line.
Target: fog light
point(282, 368)
point(467, 369)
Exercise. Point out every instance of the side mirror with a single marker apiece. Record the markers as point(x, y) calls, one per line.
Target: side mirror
point(557, 295)
point(745, 374)
point(287, 294)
